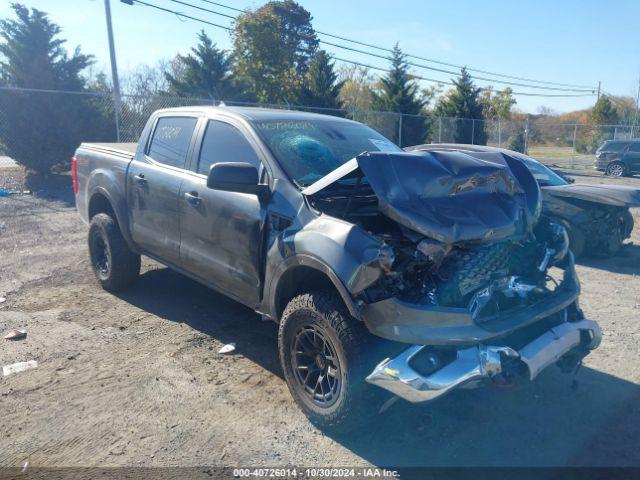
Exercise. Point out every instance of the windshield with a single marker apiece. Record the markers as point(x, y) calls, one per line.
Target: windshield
point(309, 149)
point(544, 175)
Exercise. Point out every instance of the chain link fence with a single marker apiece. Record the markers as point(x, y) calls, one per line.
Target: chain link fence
point(37, 118)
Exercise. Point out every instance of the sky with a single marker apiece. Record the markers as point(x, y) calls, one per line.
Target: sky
point(569, 41)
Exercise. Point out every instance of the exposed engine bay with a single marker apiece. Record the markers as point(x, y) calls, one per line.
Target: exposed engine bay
point(455, 230)
point(485, 278)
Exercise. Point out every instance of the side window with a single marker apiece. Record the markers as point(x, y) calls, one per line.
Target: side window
point(224, 143)
point(170, 141)
point(634, 147)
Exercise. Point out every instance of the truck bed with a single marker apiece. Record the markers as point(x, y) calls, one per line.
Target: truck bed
point(126, 149)
point(103, 166)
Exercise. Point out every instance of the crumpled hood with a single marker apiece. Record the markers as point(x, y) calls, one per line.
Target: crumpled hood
point(448, 196)
point(616, 195)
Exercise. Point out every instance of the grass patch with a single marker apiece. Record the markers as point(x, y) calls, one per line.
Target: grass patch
point(555, 152)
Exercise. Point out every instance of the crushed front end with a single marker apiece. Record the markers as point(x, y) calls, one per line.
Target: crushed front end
point(489, 313)
point(473, 278)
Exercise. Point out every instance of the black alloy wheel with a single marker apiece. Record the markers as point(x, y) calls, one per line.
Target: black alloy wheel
point(316, 365)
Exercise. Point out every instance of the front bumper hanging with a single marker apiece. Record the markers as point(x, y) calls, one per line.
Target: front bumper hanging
point(480, 362)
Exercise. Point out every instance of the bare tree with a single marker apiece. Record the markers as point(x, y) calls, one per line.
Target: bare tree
point(357, 83)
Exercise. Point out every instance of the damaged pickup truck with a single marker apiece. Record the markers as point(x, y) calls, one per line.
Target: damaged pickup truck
point(417, 273)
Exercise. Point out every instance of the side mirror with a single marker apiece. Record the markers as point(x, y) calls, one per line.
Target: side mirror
point(236, 177)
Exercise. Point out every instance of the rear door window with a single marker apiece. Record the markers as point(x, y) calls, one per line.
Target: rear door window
point(171, 138)
point(610, 146)
point(225, 143)
point(634, 147)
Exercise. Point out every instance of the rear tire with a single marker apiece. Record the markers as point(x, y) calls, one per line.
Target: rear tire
point(115, 266)
point(616, 169)
point(322, 352)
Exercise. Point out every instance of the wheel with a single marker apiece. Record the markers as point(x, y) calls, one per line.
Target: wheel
point(627, 221)
point(616, 169)
point(623, 228)
point(577, 241)
point(116, 267)
point(322, 352)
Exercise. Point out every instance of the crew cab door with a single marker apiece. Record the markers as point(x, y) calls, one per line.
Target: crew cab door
point(154, 187)
point(222, 231)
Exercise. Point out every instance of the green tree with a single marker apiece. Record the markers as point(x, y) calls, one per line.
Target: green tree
point(99, 112)
point(603, 112)
point(321, 87)
point(463, 103)
point(273, 47)
point(517, 142)
point(205, 72)
point(497, 105)
point(398, 92)
point(41, 130)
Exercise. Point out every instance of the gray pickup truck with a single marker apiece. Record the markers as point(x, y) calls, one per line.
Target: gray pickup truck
point(414, 272)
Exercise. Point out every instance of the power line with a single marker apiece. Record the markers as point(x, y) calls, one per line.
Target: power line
point(203, 9)
point(538, 87)
point(426, 59)
point(486, 72)
point(504, 82)
point(360, 64)
point(456, 73)
point(179, 14)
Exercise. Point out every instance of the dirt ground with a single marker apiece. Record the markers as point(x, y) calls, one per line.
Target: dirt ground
point(136, 380)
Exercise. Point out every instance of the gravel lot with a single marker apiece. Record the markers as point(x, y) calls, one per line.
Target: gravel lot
point(136, 380)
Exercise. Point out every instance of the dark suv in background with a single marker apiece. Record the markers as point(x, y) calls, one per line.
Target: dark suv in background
point(618, 158)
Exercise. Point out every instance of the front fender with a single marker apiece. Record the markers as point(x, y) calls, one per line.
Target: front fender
point(347, 254)
point(311, 262)
point(352, 253)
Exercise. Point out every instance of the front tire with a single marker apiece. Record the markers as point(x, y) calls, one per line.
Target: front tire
point(115, 266)
point(577, 241)
point(322, 355)
point(616, 169)
point(622, 229)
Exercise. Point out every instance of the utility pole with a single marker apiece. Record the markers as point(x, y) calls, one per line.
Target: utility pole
point(114, 68)
point(599, 85)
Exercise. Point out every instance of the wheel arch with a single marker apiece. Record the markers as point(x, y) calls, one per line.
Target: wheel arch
point(100, 201)
point(304, 273)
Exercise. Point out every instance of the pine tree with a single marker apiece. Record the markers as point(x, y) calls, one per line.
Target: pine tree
point(42, 130)
point(320, 87)
point(463, 103)
point(602, 113)
point(398, 92)
point(205, 72)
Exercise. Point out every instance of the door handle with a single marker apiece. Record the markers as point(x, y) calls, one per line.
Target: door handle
point(140, 180)
point(192, 198)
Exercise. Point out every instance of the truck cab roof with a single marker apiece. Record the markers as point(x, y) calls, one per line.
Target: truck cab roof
point(254, 113)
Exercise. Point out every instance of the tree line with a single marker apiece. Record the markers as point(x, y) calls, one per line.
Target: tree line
point(275, 59)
